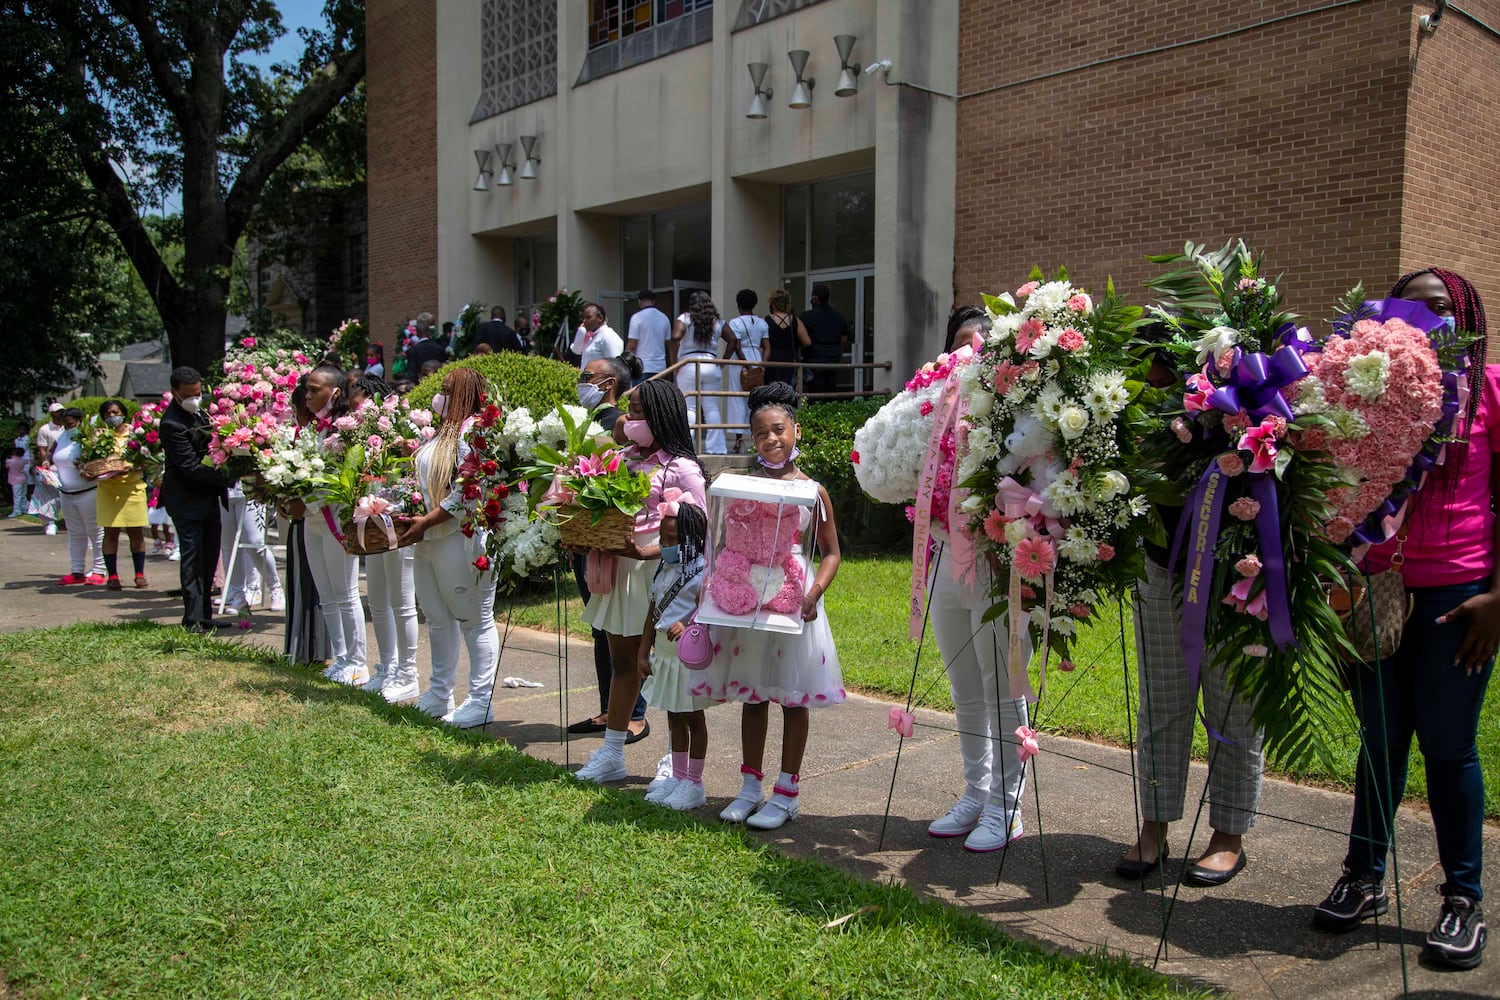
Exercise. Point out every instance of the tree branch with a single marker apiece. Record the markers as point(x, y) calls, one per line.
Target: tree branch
point(138, 14)
point(120, 213)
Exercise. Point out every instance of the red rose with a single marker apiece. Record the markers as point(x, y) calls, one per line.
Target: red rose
point(491, 414)
point(854, 457)
point(501, 491)
point(490, 467)
point(471, 491)
point(467, 529)
point(482, 563)
point(492, 509)
point(476, 440)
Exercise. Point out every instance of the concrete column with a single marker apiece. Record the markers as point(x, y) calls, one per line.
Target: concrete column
point(915, 153)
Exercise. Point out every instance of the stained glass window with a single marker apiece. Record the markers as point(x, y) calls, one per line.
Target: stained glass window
point(612, 20)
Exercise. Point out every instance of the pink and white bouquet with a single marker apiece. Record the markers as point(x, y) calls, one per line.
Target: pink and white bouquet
point(1046, 452)
point(890, 448)
point(242, 436)
point(143, 443)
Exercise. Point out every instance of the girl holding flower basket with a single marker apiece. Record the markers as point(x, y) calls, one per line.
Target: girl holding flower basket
point(454, 579)
point(662, 447)
point(1433, 685)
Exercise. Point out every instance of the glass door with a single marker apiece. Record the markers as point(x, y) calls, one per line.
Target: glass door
point(851, 293)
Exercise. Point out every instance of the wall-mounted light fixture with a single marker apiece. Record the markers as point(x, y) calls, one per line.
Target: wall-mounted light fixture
point(848, 71)
point(528, 147)
point(481, 183)
point(502, 150)
point(802, 92)
point(762, 94)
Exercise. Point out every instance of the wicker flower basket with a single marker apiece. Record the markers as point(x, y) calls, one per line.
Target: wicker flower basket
point(101, 467)
point(613, 533)
point(371, 542)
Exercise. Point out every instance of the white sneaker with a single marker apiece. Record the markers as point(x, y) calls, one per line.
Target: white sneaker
point(473, 712)
point(661, 789)
point(330, 670)
point(354, 675)
point(960, 820)
point(775, 814)
point(252, 598)
point(663, 775)
point(174, 556)
point(435, 706)
point(396, 689)
point(992, 834)
point(278, 600)
point(51, 529)
point(376, 681)
point(604, 765)
point(687, 795)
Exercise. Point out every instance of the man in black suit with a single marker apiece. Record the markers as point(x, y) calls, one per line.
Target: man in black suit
point(425, 349)
point(497, 334)
point(192, 493)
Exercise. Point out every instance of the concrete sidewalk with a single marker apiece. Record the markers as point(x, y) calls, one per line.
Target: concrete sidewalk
point(1055, 886)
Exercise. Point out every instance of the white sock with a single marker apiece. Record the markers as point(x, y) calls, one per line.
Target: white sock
point(614, 741)
point(786, 788)
point(750, 783)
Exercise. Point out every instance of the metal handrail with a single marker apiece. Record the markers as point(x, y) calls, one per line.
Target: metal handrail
point(699, 427)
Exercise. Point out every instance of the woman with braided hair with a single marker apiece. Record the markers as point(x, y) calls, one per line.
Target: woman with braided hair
point(456, 595)
point(1433, 686)
point(694, 336)
point(661, 444)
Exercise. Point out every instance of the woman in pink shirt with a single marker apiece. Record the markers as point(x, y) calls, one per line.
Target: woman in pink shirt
point(1434, 684)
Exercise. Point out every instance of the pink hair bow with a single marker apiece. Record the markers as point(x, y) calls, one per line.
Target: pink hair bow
point(901, 721)
point(671, 501)
point(1027, 743)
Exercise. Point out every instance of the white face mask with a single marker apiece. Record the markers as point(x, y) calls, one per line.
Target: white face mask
point(114, 421)
point(440, 404)
point(589, 395)
point(191, 404)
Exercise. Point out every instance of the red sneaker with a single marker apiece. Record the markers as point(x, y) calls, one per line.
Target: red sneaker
point(70, 580)
point(94, 580)
point(113, 583)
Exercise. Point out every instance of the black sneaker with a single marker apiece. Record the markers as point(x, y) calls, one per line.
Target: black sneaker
point(1353, 899)
point(1457, 939)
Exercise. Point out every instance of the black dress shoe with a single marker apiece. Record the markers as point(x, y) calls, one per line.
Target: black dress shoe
point(637, 737)
point(586, 727)
point(1137, 869)
point(1207, 878)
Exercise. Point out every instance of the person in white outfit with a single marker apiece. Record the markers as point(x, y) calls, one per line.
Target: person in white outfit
point(750, 331)
point(44, 496)
point(79, 506)
point(594, 339)
point(696, 335)
point(457, 598)
point(242, 541)
point(988, 815)
point(648, 335)
point(334, 571)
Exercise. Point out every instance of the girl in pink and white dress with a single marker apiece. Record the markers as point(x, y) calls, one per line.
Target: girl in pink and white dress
point(798, 672)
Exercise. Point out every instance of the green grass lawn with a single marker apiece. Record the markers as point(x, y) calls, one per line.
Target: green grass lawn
point(190, 817)
point(867, 609)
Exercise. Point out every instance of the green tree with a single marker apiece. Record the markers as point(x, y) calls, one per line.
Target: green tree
point(154, 96)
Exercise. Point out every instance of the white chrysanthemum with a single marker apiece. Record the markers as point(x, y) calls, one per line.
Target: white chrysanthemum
point(1064, 496)
point(1063, 625)
point(1003, 328)
point(1049, 298)
point(1368, 374)
point(1347, 425)
point(1139, 505)
point(1045, 344)
point(1107, 394)
point(1077, 546)
point(1049, 404)
point(892, 444)
point(1310, 397)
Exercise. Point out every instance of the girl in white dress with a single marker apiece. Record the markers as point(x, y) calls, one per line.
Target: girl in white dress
point(797, 672)
point(674, 602)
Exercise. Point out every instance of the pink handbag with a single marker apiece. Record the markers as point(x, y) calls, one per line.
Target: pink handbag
point(599, 572)
point(695, 647)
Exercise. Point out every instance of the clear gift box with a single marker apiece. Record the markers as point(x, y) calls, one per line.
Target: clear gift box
point(762, 539)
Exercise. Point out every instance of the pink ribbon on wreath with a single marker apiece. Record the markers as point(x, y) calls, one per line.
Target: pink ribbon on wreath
point(1024, 503)
point(950, 406)
point(901, 721)
point(376, 507)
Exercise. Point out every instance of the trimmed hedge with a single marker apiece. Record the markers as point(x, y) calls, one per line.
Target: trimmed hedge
point(827, 441)
point(537, 383)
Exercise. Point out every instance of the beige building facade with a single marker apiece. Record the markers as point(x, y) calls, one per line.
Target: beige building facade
point(646, 170)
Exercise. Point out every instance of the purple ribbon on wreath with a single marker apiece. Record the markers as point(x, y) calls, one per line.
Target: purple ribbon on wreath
point(1255, 382)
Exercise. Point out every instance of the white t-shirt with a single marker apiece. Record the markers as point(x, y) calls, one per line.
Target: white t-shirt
point(605, 343)
point(650, 329)
point(751, 330)
point(65, 456)
point(690, 346)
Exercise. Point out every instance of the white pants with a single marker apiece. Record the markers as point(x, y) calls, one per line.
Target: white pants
point(80, 514)
point(254, 566)
point(458, 601)
point(336, 575)
point(705, 378)
point(974, 653)
point(391, 590)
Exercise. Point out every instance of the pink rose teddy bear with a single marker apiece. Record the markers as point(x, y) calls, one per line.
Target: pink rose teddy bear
point(757, 559)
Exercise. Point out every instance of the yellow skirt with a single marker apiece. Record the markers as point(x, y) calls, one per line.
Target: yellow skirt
point(122, 501)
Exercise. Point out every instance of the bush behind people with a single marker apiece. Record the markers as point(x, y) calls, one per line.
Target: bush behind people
point(537, 383)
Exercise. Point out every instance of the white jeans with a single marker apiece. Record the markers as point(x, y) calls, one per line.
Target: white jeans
point(80, 513)
point(458, 600)
point(391, 589)
point(974, 653)
point(254, 565)
point(706, 378)
point(336, 575)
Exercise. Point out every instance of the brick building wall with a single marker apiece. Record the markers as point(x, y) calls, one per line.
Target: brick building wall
point(1289, 134)
point(1451, 209)
point(401, 163)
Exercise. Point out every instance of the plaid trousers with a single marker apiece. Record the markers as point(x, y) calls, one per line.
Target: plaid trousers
point(1164, 719)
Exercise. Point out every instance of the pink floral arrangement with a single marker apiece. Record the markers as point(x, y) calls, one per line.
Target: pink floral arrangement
point(143, 443)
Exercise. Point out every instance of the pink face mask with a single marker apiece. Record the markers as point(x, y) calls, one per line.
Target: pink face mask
point(640, 432)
